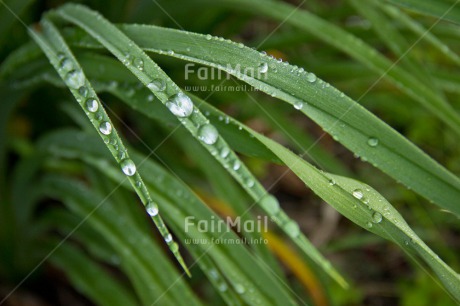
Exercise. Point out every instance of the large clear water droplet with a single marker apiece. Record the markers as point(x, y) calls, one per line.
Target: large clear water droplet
point(138, 63)
point(92, 106)
point(168, 238)
point(128, 167)
point(83, 91)
point(224, 152)
point(373, 142)
point(105, 128)
point(236, 165)
point(270, 204)
point(311, 77)
point(292, 228)
point(298, 105)
point(377, 217)
point(66, 64)
point(222, 287)
point(240, 289)
point(208, 134)
point(358, 193)
point(152, 209)
point(157, 85)
point(263, 68)
point(180, 105)
point(75, 79)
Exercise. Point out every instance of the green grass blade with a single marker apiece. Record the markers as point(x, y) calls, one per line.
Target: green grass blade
point(142, 261)
point(354, 47)
point(340, 116)
point(421, 31)
point(362, 205)
point(233, 260)
point(70, 71)
point(146, 70)
point(441, 9)
point(90, 279)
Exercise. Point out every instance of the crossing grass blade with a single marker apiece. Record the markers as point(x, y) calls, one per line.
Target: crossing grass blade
point(441, 9)
point(337, 114)
point(237, 265)
point(70, 71)
point(361, 204)
point(146, 70)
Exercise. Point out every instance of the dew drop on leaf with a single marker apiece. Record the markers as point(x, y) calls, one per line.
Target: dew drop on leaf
point(105, 128)
point(128, 167)
point(157, 85)
point(66, 64)
point(311, 77)
point(358, 193)
point(75, 79)
point(208, 134)
point(138, 63)
point(83, 91)
point(377, 217)
point(92, 106)
point(292, 228)
point(373, 142)
point(224, 152)
point(180, 105)
point(298, 105)
point(240, 289)
point(236, 165)
point(270, 204)
point(152, 209)
point(263, 68)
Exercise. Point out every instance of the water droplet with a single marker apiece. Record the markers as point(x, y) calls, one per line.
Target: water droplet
point(105, 128)
point(138, 63)
point(377, 217)
point(239, 289)
point(311, 77)
point(170, 52)
point(92, 106)
point(224, 152)
point(263, 68)
point(152, 209)
point(222, 287)
point(128, 167)
point(157, 85)
point(66, 64)
point(270, 204)
point(138, 184)
point(75, 79)
point(240, 45)
point(332, 182)
point(168, 238)
point(83, 91)
point(250, 183)
point(208, 134)
point(208, 37)
point(358, 193)
point(292, 228)
point(174, 247)
point(369, 224)
point(236, 165)
point(298, 105)
point(180, 105)
point(373, 142)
